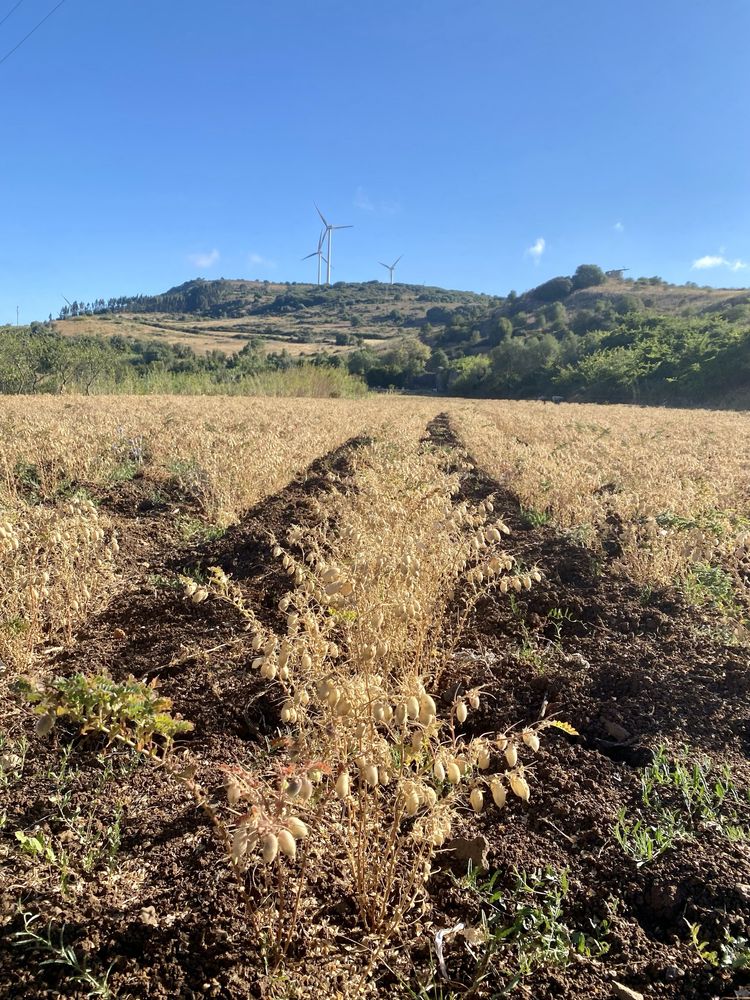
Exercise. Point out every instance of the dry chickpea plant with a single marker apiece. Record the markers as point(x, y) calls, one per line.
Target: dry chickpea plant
point(56, 564)
point(665, 495)
point(373, 768)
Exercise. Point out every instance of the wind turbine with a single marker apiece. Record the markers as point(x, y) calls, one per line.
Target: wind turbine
point(328, 231)
point(319, 252)
point(390, 267)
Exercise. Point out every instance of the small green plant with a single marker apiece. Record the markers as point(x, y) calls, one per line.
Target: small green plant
point(559, 617)
point(682, 796)
point(645, 595)
point(730, 953)
point(193, 529)
point(534, 518)
point(644, 842)
point(525, 929)
point(129, 711)
point(37, 846)
point(713, 585)
point(703, 794)
point(123, 472)
point(40, 849)
point(160, 582)
point(62, 954)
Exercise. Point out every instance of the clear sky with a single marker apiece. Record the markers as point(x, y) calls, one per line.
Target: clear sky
point(493, 143)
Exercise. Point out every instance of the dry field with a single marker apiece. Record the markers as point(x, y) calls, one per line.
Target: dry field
point(385, 698)
point(279, 333)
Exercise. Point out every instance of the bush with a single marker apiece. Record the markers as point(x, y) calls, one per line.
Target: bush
point(553, 290)
point(588, 275)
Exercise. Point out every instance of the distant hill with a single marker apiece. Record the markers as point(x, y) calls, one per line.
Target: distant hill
point(302, 319)
point(592, 335)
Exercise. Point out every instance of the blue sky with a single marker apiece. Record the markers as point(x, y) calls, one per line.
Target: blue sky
point(492, 143)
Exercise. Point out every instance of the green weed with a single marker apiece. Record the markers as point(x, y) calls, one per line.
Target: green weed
point(682, 796)
point(129, 711)
point(730, 953)
point(534, 518)
point(64, 955)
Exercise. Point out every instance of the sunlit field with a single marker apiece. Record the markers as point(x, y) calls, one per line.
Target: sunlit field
point(388, 697)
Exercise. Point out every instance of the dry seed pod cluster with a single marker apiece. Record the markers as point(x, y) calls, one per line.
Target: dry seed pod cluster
point(55, 562)
point(271, 827)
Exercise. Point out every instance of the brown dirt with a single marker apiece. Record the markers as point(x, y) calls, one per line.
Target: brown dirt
point(656, 669)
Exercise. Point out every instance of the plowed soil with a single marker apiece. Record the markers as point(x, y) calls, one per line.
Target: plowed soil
point(629, 671)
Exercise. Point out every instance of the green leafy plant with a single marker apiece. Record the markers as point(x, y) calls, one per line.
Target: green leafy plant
point(37, 846)
point(525, 929)
point(194, 529)
point(533, 518)
point(695, 788)
point(62, 954)
point(643, 842)
point(730, 953)
point(713, 585)
point(682, 796)
point(129, 711)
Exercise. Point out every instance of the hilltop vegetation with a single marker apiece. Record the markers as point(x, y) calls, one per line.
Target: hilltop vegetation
point(590, 337)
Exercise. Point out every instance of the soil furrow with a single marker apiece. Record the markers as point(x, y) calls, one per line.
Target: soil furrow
point(629, 675)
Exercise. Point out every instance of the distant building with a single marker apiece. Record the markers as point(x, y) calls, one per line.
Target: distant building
point(618, 273)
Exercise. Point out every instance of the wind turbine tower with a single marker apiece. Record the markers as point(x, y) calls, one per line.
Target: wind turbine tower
point(327, 234)
point(319, 252)
point(390, 267)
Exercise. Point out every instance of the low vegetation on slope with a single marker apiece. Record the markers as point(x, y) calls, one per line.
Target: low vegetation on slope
point(591, 336)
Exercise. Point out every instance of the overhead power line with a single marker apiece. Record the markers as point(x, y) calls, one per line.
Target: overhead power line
point(35, 28)
point(11, 11)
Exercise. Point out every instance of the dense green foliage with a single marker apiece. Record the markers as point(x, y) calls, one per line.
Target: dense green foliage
point(38, 359)
point(235, 298)
point(589, 336)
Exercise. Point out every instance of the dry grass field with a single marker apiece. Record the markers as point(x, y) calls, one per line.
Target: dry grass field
point(227, 335)
point(393, 697)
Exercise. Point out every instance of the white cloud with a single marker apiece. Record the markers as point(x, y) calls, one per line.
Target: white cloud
point(204, 259)
point(537, 249)
point(618, 227)
point(714, 260)
point(260, 261)
point(363, 201)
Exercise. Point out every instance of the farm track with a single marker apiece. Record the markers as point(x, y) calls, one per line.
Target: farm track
point(653, 670)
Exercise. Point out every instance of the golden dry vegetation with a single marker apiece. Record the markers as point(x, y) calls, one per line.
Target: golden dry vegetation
point(667, 492)
point(338, 723)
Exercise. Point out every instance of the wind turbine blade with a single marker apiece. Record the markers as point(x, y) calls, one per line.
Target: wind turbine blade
point(386, 266)
point(321, 215)
point(313, 254)
point(321, 238)
point(396, 261)
point(342, 227)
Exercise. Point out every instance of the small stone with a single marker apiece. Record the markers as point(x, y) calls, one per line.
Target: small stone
point(119, 633)
point(148, 916)
point(671, 973)
point(623, 992)
point(616, 731)
point(464, 849)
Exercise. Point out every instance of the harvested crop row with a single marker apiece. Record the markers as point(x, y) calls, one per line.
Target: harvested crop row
point(373, 766)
